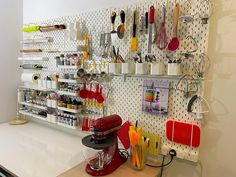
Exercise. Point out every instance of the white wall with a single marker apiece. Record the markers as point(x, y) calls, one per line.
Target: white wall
point(11, 20)
point(41, 10)
point(218, 138)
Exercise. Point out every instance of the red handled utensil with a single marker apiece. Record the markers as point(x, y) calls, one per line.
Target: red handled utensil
point(90, 92)
point(84, 92)
point(100, 98)
point(96, 93)
point(150, 28)
point(174, 43)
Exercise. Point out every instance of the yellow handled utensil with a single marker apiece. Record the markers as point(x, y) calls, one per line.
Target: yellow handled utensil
point(134, 40)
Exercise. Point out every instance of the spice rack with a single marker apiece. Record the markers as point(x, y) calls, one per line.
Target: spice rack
point(69, 110)
point(33, 105)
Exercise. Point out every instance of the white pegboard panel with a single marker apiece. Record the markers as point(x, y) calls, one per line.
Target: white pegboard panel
point(126, 97)
point(126, 101)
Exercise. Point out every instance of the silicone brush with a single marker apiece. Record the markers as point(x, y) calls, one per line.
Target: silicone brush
point(134, 40)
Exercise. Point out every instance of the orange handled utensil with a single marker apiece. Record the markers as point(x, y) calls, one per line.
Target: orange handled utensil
point(135, 142)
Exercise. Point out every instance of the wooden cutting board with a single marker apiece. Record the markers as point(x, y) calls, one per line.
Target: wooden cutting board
point(123, 171)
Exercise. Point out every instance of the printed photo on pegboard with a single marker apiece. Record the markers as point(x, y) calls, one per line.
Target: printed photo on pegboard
point(155, 96)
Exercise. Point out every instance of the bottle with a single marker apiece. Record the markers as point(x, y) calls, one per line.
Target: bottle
point(69, 104)
point(68, 60)
point(65, 104)
point(62, 59)
point(58, 60)
point(74, 105)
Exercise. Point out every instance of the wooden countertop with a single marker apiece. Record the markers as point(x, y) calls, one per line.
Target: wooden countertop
point(123, 171)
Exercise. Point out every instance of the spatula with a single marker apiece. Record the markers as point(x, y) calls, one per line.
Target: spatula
point(174, 43)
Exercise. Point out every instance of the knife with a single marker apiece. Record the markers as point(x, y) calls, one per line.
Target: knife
point(150, 27)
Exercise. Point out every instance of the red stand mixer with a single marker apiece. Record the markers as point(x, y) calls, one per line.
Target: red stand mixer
point(104, 140)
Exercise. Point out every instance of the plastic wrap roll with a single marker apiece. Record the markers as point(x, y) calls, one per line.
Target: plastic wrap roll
point(30, 77)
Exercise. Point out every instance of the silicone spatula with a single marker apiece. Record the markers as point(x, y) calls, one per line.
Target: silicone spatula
point(174, 43)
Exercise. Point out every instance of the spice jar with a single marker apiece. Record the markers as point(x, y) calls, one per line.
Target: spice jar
point(74, 105)
point(69, 104)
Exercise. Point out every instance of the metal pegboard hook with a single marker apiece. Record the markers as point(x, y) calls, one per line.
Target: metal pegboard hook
point(200, 101)
point(194, 42)
point(190, 85)
point(203, 65)
point(205, 17)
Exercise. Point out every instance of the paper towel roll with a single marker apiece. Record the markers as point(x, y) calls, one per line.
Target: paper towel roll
point(30, 77)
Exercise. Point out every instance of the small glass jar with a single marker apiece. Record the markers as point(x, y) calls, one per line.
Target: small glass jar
point(64, 105)
point(137, 156)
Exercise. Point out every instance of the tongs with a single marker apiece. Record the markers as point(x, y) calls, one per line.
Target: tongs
point(118, 57)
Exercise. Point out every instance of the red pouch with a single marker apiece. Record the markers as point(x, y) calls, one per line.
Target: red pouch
point(123, 134)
